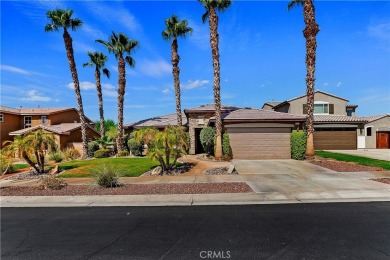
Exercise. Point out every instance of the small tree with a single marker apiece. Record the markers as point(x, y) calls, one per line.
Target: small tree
point(33, 148)
point(164, 146)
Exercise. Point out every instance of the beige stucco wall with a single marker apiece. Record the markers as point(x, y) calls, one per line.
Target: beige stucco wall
point(381, 123)
point(193, 123)
point(10, 123)
point(296, 106)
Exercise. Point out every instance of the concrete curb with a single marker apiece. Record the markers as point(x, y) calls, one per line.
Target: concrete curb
point(181, 200)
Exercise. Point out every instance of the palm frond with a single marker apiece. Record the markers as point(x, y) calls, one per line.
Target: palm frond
point(295, 3)
point(130, 61)
point(106, 72)
point(205, 16)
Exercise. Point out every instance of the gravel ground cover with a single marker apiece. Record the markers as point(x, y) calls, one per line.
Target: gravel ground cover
point(220, 171)
point(340, 166)
point(132, 189)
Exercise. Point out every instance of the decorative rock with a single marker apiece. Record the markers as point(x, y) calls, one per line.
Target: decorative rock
point(54, 171)
point(231, 168)
point(157, 171)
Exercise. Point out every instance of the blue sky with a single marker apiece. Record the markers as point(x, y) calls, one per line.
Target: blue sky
point(261, 45)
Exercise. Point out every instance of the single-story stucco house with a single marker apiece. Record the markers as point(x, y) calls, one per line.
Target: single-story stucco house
point(254, 133)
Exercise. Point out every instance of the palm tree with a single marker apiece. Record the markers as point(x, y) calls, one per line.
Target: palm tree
point(309, 33)
point(33, 147)
point(211, 14)
point(175, 28)
point(98, 60)
point(120, 44)
point(61, 18)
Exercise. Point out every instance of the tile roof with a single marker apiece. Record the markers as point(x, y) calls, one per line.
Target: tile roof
point(252, 114)
point(337, 118)
point(34, 111)
point(272, 103)
point(319, 91)
point(159, 121)
point(63, 129)
point(9, 109)
point(210, 107)
point(373, 118)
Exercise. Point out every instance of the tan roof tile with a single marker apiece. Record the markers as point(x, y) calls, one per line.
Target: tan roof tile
point(159, 121)
point(210, 107)
point(63, 129)
point(251, 114)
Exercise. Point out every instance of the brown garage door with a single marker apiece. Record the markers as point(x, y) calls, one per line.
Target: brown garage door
point(260, 143)
point(335, 140)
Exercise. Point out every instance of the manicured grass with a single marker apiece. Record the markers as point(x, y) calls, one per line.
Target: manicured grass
point(19, 166)
point(356, 159)
point(130, 167)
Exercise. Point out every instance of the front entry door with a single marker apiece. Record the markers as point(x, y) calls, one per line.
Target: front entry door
point(382, 140)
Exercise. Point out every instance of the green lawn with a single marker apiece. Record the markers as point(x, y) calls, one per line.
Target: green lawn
point(357, 159)
point(130, 167)
point(18, 166)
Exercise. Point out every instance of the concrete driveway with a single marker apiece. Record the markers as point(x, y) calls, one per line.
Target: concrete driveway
point(277, 167)
point(380, 154)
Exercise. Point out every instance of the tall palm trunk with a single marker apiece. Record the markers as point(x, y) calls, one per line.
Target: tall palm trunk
point(100, 99)
point(176, 71)
point(214, 38)
point(121, 98)
point(310, 33)
point(80, 110)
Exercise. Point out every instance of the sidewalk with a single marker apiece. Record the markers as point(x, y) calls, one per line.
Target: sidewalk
point(268, 189)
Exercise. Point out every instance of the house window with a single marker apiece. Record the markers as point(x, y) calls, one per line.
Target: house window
point(349, 112)
point(27, 121)
point(1, 118)
point(369, 131)
point(321, 108)
point(44, 120)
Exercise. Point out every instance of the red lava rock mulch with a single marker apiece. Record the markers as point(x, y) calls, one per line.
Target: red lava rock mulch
point(340, 166)
point(132, 189)
point(383, 180)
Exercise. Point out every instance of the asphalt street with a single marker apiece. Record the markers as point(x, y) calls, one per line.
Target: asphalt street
point(291, 231)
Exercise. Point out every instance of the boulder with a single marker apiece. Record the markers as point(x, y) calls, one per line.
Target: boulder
point(231, 168)
point(157, 171)
point(54, 171)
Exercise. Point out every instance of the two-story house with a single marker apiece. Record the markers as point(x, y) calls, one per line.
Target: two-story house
point(64, 123)
point(335, 122)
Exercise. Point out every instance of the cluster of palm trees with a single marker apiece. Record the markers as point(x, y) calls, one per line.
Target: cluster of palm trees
point(122, 47)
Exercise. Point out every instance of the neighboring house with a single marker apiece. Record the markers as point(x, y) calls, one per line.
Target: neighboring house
point(64, 123)
point(254, 133)
point(335, 122)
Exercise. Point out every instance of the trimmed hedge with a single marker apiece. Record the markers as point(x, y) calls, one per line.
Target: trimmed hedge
point(226, 145)
point(123, 153)
point(207, 137)
point(102, 153)
point(92, 148)
point(135, 147)
point(298, 145)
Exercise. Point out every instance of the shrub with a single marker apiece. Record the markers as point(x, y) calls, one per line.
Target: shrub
point(52, 183)
point(102, 153)
point(298, 145)
point(92, 148)
point(56, 156)
point(5, 165)
point(123, 153)
point(226, 145)
point(207, 136)
point(107, 175)
point(71, 154)
point(135, 147)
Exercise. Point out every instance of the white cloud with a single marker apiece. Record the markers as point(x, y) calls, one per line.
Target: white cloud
point(200, 35)
point(14, 70)
point(381, 31)
point(194, 84)
point(92, 33)
point(156, 68)
point(108, 86)
point(109, 93)
point(84, 85)
point(33, 95)
point(325, 84)
point(339, 84)
point(166, 91)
